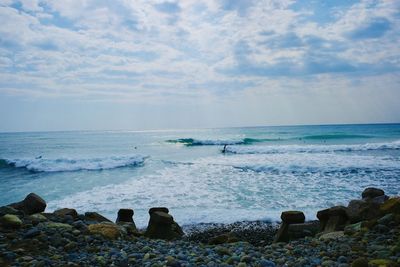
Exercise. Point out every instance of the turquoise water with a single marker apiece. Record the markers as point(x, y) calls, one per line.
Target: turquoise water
point(264, 171)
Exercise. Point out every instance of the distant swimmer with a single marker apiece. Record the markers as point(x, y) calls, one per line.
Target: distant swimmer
point(224, 149)
point(39, 157)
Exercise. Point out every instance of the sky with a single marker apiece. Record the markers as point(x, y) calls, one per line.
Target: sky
point(157, 64)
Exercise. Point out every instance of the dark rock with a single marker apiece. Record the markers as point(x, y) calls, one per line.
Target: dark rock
point(96, 217)
point(392, 205)
point(222, 239)
point(323, 217)
point(66, 212)
point(360, 262)
point(333, 219)
point(290, 217)
point(10, 221)
point(31, 204)
point(125, 215)
point(300, 230)
point(9, 210)
point(162, 226)
point(32, 233)
point(360, 210)
point(372, 192)
point(379, 200)
point(163, 209)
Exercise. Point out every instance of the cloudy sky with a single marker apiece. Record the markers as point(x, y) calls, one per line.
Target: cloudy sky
point(150, 64)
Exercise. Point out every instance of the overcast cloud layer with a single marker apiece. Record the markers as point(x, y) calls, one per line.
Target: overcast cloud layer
point(180, 64)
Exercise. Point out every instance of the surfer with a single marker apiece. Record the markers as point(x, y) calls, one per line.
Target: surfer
point(224, 149)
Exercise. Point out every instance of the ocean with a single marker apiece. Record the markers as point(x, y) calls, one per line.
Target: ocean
point(264, 170)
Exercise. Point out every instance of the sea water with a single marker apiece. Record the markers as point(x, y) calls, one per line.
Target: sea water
point(264, 170)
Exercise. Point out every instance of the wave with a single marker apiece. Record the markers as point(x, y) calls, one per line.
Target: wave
point(312, 148)
point(198, 142)
point(69, 165)
point(334, 136)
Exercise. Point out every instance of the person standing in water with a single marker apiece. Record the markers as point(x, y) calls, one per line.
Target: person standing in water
point(224, 149)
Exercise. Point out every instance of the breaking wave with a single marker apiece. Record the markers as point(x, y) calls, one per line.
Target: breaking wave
point(276, 149)
point(68, 165)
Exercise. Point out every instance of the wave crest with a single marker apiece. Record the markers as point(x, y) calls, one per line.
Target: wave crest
point(198, 142)
point(69, 165)
point(276, 149)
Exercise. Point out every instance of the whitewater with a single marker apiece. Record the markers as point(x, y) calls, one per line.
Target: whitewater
point(263, 170)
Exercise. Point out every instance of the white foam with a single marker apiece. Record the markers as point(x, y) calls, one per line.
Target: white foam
point(218, 189)
point(273, 149)
point(75, 164)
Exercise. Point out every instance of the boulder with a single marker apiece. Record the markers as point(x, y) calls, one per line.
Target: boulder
point(162, 226)
point(9, 210)
point(95, 217)
point(37, 218)
point(125, 215)
point(372, 192)
point(300, 230)
point(360, 210)
point(333, 219)
point(66, 212)
point(10, 221)
point(392, 205)
point(163, 209)
point(332, 235)
point(288, 217)
point(108, 230)
point(31, 204)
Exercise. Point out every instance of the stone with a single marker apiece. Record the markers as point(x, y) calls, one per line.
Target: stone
point(333, 219)
point(379, 200)
point(33, 232)
point(353, 228)
point(331, 235)
point(300, 230)
point(125, 215)
point(66, 212)
point(162, 226)
point(372, 192)
point(360, 262)
point(96, 217)
point(291, 217)
point(59, 226)
point(163, 209)
point(382, 263)
point(11, 221)
point(361, 210)
point(392, 205)
point(108, 230)
point(31, 204)
point(288, 217)
point(222, 239)
point(37, 218)
point(9, 210)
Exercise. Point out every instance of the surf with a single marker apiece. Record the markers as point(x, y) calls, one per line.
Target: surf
point(40, 164)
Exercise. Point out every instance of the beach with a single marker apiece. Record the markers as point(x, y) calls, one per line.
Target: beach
point(365, 233)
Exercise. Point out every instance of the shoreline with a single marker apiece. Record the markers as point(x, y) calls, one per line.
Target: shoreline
point(366, 233)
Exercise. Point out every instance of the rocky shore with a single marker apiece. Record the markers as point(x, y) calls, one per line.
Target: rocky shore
point(364, 233)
